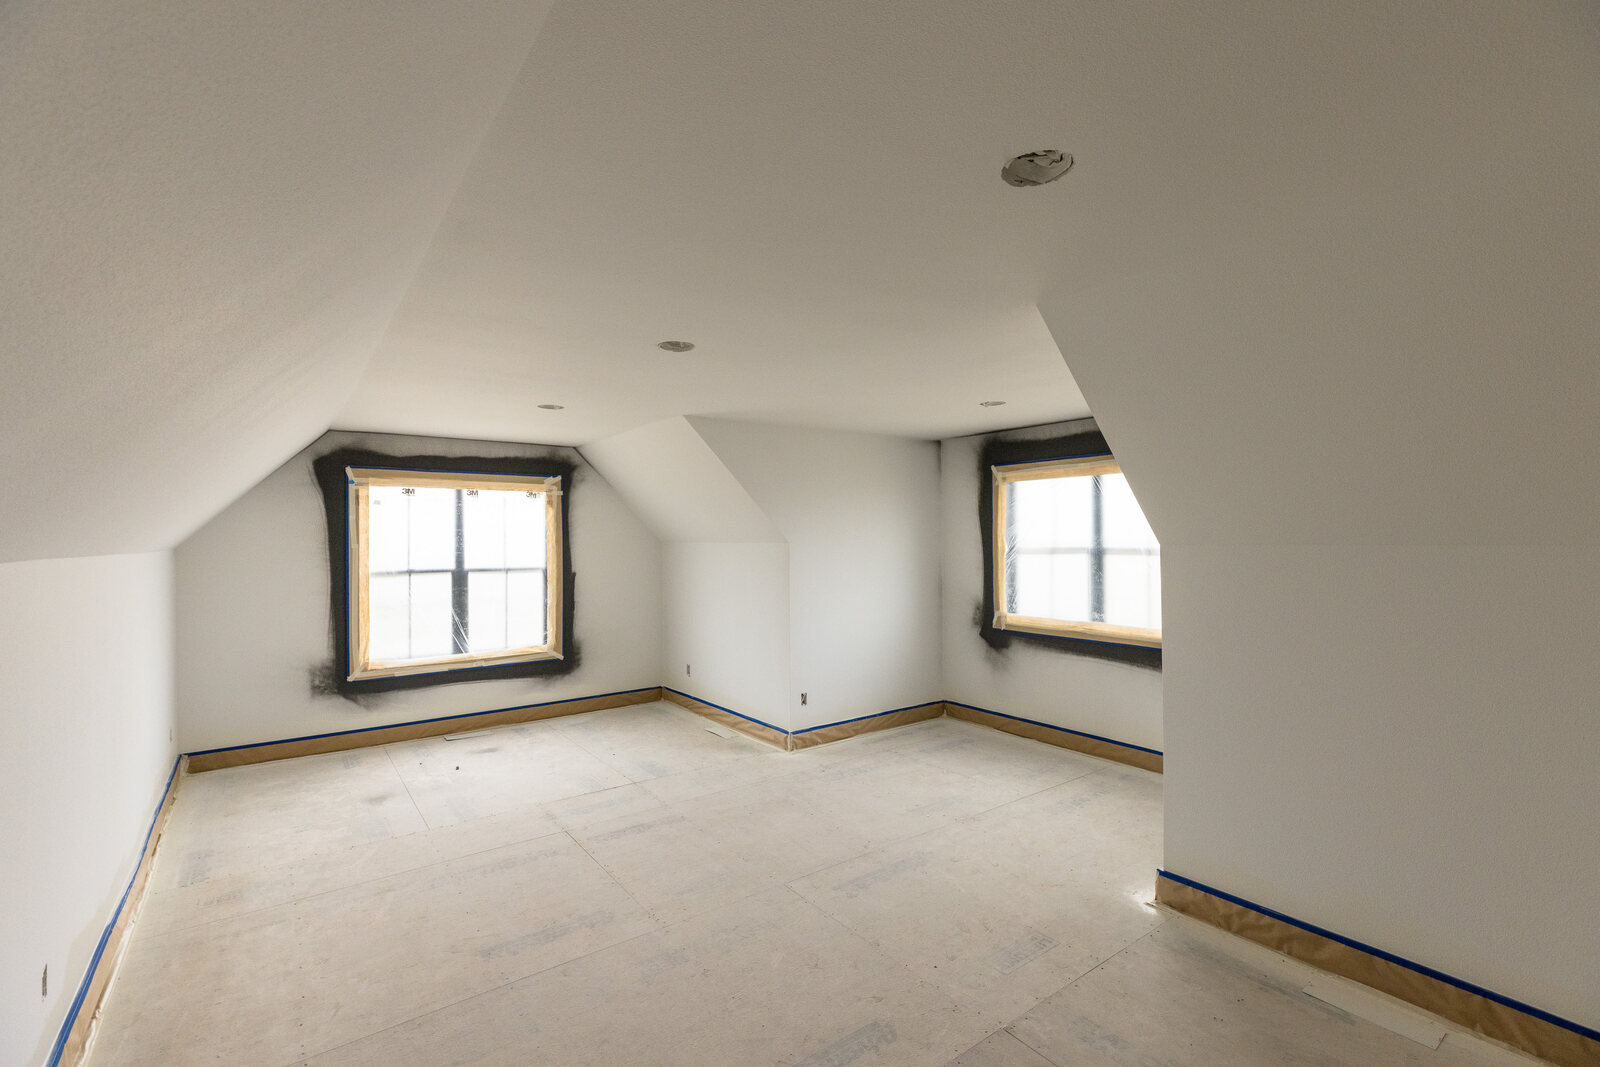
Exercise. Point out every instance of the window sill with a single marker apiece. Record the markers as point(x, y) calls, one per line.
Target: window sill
point(452, 663)
point(1083, 631)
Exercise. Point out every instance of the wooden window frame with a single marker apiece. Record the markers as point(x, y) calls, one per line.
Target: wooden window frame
point(360, 481)
point(1078, 467)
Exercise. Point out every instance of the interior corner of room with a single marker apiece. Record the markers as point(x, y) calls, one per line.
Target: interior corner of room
point(746, 287)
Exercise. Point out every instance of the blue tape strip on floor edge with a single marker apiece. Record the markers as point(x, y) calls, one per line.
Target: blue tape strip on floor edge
point(415, 722)
point(105, 935)
point(1389, 957)
point(1062, 729)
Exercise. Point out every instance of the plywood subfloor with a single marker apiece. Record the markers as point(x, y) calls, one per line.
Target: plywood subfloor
point(626, 887)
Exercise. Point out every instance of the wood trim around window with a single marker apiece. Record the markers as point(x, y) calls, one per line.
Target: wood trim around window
point(361, 480)
point(1079, 467)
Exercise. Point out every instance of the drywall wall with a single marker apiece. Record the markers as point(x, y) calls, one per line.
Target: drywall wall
point(1043, 680)
point(678, 486)
point(1403, 752)
point(860, 514)
point(725, 568)
point(726, 629)
point(254, 622)
point(85, 752)
point(1364, 429)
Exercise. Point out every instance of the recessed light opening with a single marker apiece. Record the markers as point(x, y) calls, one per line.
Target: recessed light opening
point(1036, 168)
point(675, 346)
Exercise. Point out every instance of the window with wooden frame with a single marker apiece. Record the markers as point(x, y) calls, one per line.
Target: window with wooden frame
point(1077, 558)
point(451, 571)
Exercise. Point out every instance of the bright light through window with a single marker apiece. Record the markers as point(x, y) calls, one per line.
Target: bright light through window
point(1078, 558)
point(452, 570)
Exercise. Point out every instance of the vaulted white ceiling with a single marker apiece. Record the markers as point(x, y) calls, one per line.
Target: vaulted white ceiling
point(809, 192)
point(229, 226)
point(210, 212)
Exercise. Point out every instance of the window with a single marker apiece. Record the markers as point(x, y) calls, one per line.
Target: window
point(452, 570)
point(1079, 560)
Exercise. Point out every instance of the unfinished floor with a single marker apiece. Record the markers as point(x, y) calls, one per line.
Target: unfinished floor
point(628, 887)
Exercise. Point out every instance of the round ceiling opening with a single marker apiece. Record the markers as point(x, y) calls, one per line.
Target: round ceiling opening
point(676, 346)
point(1036, 168)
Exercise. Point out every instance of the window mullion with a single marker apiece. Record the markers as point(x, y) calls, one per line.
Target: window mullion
point(1006, 550)
point(458, 580)
point(1097, 556)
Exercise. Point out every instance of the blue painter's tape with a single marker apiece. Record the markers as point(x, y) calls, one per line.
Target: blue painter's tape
point(1061, 729)
point(416, 722)
point(1359, 946)
point(730, 711)
point(864, 718)
point(60, 1045)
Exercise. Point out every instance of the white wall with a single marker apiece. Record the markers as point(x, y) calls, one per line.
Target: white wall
point(1048, 684)
point(85, 751)
point(677, 485)
point(1397, 742)
point(725, 568)
point(860, 513)
point(1365, 431)
point(254, 622)
point(726, 634)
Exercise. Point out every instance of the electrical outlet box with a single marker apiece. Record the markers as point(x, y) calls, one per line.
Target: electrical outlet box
point(802, 700)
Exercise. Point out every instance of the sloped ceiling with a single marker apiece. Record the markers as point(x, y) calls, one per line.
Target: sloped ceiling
point(671, 477)
point(229, 225)
point(1401, 343)
point(810, 192)
point(211, 213)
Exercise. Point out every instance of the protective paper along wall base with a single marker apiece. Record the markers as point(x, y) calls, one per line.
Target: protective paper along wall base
point(1467, 1009)
point(383, 735)
point(1089, 746)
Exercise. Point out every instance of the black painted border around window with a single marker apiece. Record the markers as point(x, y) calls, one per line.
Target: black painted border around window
point(1000, 452)
point(329, 471)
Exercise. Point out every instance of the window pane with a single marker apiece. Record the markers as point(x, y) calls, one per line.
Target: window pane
point(389, 617)
point(1051, 512)
point(1056, 543)
point(388, 529)
point(414, 535)
point(430, 615)
point(1133, 590)
point(525, 609)
point(433, 530)
point(1123, 522)
point(486, 611)
point(484, 520)
point(1053, 585)
point(525, 532)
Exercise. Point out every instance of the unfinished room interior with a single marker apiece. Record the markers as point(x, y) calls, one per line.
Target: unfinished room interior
point(998, 533)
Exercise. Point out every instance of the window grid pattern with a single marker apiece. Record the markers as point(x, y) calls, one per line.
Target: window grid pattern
point(454, 571)
point(1078, 557)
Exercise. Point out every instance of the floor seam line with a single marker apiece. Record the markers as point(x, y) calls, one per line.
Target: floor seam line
point(404, 785)
point(614, 879)
point(1074, 982)
point(351, 885)
point(474, 996)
